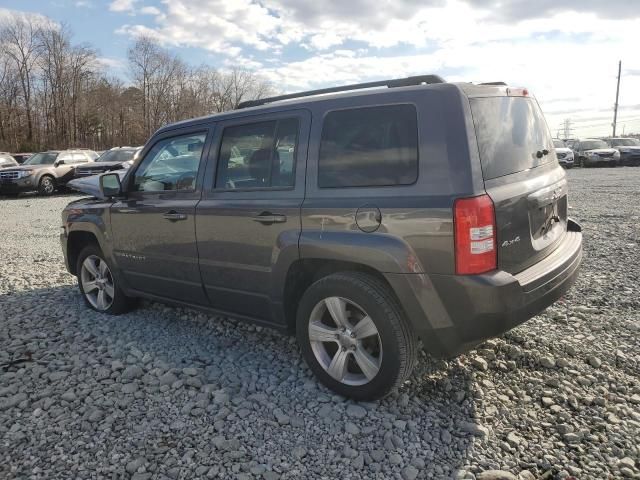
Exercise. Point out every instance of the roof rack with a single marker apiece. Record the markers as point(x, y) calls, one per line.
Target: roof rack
point(499, 84)
point(399, 82)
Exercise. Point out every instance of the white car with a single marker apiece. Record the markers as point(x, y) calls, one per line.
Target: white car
point(564, 154)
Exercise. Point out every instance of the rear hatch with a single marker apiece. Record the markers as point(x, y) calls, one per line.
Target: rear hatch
point(523, 178)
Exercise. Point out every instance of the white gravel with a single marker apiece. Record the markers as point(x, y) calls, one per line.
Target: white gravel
point(172, 393)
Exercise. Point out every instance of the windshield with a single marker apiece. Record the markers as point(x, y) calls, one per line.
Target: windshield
point(46, 158)
point(510, 132)
point(593, 144)
point(625, 142)
point(559, 144)
point(116, 156)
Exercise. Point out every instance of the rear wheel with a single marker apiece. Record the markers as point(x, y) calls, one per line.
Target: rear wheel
point(46, 186)
point(98, 285)
point(354, 336)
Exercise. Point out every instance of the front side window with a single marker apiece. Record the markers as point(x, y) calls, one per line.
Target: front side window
point(258, 155)
point(171, 165)
point(372, 146)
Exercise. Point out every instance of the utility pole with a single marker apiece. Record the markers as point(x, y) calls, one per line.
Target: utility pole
point(615, 109)
point(566, 126)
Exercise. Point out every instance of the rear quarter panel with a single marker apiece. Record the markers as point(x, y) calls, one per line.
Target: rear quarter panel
point(416, 230)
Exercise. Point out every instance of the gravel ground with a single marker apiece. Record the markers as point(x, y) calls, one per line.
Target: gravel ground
point(173, 393)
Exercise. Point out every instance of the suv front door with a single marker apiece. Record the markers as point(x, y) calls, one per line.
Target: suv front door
point(154, 226)
point(248, 222)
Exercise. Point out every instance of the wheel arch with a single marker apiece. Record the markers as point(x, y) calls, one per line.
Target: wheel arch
point(305, 271)
point(77, 240)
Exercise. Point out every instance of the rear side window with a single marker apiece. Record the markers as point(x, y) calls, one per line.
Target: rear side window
point(373, 146)
point(510, 131)
point(258, 155)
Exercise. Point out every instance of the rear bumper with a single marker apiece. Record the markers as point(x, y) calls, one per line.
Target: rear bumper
point(454, 313)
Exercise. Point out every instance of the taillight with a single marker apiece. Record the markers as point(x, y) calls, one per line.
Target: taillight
point(475, 235)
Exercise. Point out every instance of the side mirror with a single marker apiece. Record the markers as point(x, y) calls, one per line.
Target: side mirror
point(58, 163)
point(110, 185)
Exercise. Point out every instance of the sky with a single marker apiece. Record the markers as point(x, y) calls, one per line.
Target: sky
point(565, 51)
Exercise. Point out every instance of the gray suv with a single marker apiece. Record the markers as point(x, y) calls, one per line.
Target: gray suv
point(368, 221)
point(44, 172)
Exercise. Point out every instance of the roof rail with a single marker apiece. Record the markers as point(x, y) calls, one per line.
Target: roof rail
point(399, 82)
point(499, 84)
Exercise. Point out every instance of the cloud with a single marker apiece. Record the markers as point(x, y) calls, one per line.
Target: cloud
point(526, 9)
point(122, 5)
point(566, 51)
point(112, 64)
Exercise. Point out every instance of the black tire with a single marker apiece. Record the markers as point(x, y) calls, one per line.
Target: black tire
point(120, 302)
point(46, 185)
point(399, 345)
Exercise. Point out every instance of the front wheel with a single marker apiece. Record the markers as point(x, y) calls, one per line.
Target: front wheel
point(354, 335)
point(98, 285)
point(46, 186)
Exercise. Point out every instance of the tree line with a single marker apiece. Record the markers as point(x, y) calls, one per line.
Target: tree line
point(56, 94)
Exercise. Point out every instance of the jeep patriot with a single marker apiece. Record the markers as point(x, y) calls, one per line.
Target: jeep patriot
point(368, 219)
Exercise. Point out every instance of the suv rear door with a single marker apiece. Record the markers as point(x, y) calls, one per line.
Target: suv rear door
point(153, 228)
point(248, 220)
point(523, 178)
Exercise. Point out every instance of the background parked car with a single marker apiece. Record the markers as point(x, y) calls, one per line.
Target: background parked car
point(21, 157)
point(115, 159)
point(629, 149)
point(44, 172)
point(564, 154)
point(7, 160)
point(593, 152)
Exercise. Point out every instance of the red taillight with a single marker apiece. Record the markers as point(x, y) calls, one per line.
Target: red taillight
point(475, 235)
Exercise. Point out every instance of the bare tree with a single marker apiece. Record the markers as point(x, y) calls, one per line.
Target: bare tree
point(20, 45)
point(55, 94)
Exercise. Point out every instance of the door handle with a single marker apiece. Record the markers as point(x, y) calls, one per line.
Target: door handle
point(174, 216)
point(268, 218)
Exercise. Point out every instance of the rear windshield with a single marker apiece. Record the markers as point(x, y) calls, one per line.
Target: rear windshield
point(510, 131)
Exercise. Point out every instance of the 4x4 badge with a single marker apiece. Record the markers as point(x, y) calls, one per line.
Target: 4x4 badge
point(508, 243)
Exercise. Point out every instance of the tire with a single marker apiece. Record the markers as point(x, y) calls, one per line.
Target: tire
point(46, 185)
point(114, 301)
point(392, 348)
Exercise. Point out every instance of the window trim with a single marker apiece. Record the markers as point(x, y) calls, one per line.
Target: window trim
point(363, 107)
point(167, 136)
point(275, 132)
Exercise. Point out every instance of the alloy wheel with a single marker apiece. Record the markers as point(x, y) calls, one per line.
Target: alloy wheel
point(345, 341)
point(47, 185)
point(97, 282)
